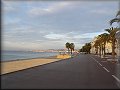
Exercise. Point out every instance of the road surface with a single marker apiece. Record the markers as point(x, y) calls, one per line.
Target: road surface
point(81, 72)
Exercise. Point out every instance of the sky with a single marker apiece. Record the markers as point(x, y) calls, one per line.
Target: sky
point(41, 25)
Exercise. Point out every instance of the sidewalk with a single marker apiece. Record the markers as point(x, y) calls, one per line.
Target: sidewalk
point(113, 65)
point(109, 58)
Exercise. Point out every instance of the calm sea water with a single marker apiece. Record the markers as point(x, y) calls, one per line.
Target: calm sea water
point(15, 55)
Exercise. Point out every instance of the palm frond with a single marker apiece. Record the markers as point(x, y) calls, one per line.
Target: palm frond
point(118, 13)
point(108, 30)
point(114, 20)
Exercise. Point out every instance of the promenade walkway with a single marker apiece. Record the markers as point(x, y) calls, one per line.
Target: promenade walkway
point(81, 72)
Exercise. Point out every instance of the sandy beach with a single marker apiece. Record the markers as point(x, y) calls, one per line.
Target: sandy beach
point(12, 66)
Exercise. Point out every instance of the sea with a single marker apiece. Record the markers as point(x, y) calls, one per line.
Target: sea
point(22, 55)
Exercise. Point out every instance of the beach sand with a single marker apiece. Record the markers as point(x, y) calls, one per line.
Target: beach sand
point(12, 66)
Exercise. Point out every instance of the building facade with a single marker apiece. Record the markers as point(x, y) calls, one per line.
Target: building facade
point(93, 50)
point(108, 46)
point(118, 45)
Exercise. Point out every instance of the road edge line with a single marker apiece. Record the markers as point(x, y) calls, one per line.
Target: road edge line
point(116, 78)
point(106, 69)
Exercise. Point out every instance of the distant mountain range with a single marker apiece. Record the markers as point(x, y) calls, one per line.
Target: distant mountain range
point(52, 50)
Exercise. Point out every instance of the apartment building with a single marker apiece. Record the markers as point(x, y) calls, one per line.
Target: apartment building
point(118, 45)
point(107, 47)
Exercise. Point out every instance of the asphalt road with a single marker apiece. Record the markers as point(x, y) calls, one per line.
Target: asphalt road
point(80, 72)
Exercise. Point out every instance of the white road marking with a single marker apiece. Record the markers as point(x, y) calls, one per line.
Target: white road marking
point(100, 64)
point(106, 69)
point(116, 78)
point(96, 61)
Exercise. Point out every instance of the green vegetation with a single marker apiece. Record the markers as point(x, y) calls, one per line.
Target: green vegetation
point(70, 47)
point(107, 37)
point(100, 43)
point(103, 39)
point(117, 19)
point(86, 48)
point(112, 31)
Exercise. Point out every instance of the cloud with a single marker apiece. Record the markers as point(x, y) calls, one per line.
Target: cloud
point(99, 11)
point(8, 45)
point(8, 9)
point(55, 23)
point(13, 21)
point(54, 36)
point(70, 37)
point(104, 11)
point(9, 6)
point(88, 35)
point(39, 11)
point(50, 9)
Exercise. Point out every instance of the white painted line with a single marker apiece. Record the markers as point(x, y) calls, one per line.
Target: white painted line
point(106, 69)
point(94, 59)
point(116, 78)
point(100, 64)
point(97, 61)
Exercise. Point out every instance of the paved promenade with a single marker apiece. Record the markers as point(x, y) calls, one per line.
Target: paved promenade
point(81, 72)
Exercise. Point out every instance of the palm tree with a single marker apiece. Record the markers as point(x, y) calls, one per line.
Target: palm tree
point(118, 13)
point(96, 47)
point(88, 47)
point(98, 42)
point(104, 40)
point(72, 46)
point(67, 46)
point(117, 19)
point(114, 20)
point(112, 31)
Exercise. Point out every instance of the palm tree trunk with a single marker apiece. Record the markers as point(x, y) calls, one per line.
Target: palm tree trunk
point(68, 50)
point(104, 51)
point(100, 50)
point(71, 51)
point(97, 50)
point(113, 49)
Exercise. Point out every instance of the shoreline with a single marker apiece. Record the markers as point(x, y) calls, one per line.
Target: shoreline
point(18, 65)
point(49, 57)
point(13, 66)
